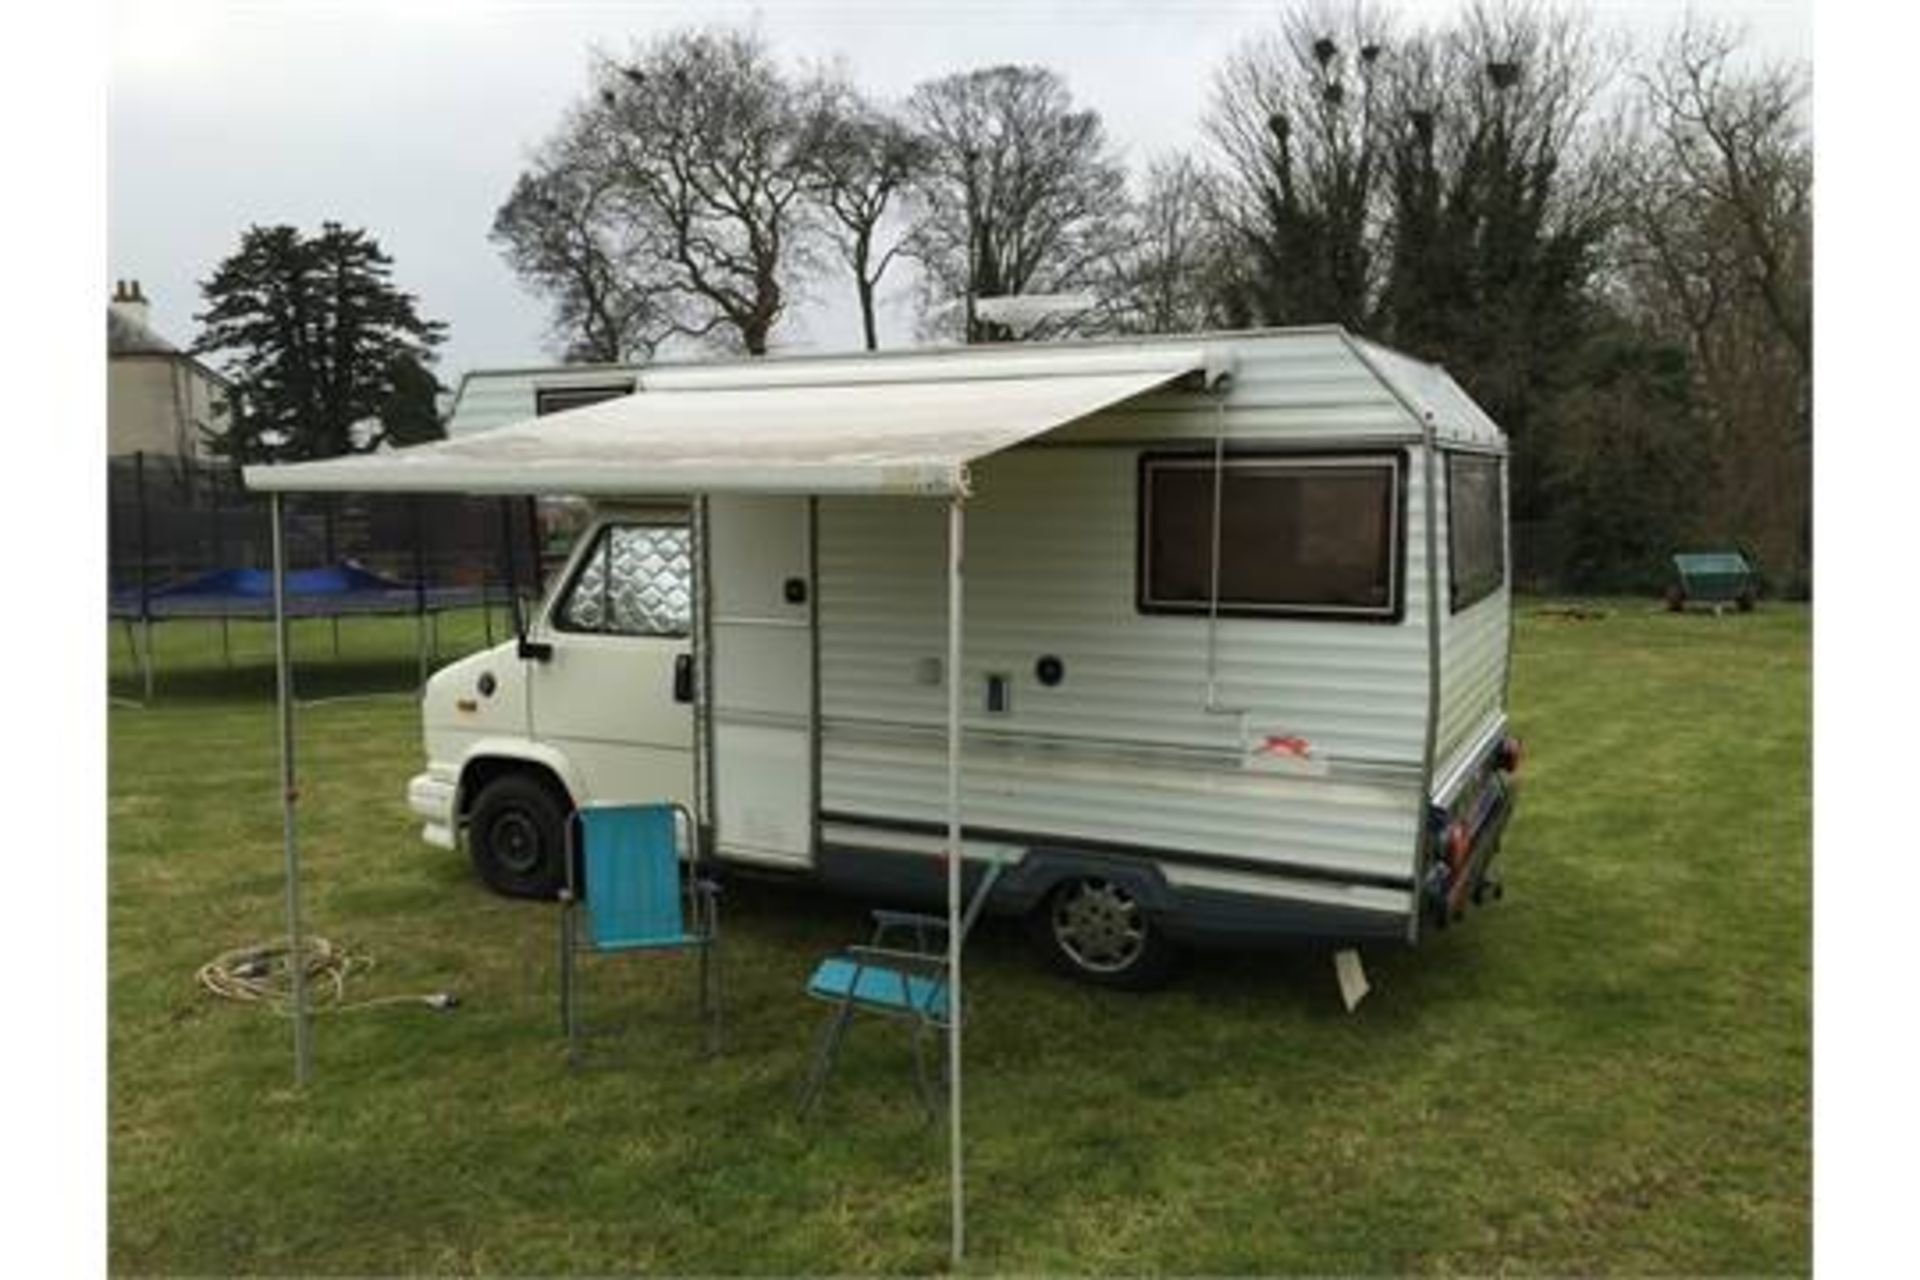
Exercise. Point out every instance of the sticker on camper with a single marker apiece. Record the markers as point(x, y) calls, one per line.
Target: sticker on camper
point(1291, 746)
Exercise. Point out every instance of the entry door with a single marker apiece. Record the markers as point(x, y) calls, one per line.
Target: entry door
point(761, 687)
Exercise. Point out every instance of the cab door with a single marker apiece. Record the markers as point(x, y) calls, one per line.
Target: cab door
point(615, 693)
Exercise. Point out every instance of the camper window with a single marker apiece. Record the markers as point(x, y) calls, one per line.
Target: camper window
point(1476, 549)
point(548, 400)
point(1298, 537)
point(636, 581)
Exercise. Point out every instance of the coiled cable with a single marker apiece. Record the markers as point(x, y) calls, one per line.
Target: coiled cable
point(263, 974)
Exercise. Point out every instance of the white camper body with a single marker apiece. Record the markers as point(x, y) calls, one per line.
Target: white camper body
point(1235, 653)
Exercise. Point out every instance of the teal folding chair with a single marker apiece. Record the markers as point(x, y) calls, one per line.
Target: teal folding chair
point(901, 974)
point(634, 884)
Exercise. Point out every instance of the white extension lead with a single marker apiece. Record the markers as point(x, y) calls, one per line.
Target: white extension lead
point(263, 974)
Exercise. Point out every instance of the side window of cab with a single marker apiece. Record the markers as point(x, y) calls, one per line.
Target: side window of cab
point(635, 580)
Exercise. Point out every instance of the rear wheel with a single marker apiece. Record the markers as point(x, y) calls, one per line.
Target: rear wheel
point(517, 837)
point(1097, 930)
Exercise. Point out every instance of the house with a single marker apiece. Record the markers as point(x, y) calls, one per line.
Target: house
point(160, 399)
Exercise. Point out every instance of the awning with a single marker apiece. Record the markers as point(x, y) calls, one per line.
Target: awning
point(867, 437)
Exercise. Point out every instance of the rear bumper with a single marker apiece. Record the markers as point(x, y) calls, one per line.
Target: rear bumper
point(1452, 886)
point(430, 796)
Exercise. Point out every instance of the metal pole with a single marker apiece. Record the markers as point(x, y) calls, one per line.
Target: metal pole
point(956, 535)
point(220, 560)
point(288, 796)
point(146, 658)
point(534, 540)
point(146, 617)
point(419, 589)
point(332, 555)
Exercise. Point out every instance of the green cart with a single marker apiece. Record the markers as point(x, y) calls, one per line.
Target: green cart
point(1714, 579)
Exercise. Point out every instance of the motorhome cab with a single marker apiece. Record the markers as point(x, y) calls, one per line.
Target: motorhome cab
point(1236, 636)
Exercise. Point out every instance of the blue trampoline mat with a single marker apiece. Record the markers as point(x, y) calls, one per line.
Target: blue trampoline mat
point(330, 589)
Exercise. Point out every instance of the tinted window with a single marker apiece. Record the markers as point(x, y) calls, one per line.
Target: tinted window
point(636, 581)
point(1476, 529)
point(1301, 536)
point(548, 400)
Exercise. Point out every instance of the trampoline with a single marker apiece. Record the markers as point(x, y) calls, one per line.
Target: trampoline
point(183, 537)
point(346, 589)
point(334, 590)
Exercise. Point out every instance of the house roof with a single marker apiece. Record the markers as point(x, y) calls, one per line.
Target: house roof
point(128, 337)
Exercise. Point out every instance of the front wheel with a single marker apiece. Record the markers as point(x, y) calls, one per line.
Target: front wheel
point(1097, 930)
point(517, 837)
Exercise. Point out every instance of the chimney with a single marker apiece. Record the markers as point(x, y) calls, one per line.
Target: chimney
point(129, 303)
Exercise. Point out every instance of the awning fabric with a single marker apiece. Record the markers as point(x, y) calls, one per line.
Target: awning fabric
point(869, 437)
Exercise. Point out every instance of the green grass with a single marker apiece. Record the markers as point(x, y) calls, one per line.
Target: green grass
point(1610, 1071)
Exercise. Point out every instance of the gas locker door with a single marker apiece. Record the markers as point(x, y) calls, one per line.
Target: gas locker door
point(762, 707)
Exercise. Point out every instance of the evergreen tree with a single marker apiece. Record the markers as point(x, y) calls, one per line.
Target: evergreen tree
point(314, 336)
point(410, 414)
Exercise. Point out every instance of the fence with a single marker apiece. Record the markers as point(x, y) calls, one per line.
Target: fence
point(181, 534)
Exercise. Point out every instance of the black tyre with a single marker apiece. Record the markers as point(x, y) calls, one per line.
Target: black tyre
point(1098, 931)
point(517, 837)
point(1676, 599)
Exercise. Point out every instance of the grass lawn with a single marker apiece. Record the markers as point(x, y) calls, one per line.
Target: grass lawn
point(1609, 1071)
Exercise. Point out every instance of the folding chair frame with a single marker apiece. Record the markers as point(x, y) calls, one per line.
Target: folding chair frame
point(700, 911)
point(926, 960)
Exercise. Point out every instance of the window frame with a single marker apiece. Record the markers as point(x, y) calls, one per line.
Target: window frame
point(1392, 460)
point(600, 534)
point(1456, 602)
point(595, 391)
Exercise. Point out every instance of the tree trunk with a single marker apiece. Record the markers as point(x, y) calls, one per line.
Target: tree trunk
point(866, 314)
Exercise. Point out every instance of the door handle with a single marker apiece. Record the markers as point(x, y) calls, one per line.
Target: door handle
point(683, 678)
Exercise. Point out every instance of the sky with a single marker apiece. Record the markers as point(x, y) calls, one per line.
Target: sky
point(412, 118)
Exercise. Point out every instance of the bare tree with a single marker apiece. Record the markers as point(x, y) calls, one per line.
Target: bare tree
point(692, 154)
point(563, 232)
point(1017, 194)
point(1724, 198)
point(1504, 186)
point(1172, 275)
point(1297, 116)
point(1718, 255)
point(861, 160)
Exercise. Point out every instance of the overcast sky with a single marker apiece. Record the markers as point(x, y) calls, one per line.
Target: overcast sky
point(411, 118)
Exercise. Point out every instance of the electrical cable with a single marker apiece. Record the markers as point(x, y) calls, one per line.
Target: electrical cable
point(263, 974)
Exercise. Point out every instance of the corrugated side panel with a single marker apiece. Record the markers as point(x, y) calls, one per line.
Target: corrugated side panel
point(1457, 419)
point(491, 399)
point(1301, 388)
point(1473, 659)
point(1124, 748)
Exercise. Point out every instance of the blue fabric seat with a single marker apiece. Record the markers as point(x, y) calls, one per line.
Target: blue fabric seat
point(906, 981)
point(633, 885)
point(868, 983)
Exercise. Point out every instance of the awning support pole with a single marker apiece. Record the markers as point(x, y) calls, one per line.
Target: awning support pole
point(956, 535)
point(283, 671)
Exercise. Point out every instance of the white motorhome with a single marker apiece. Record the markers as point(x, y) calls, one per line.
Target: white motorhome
point(1236, 642)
